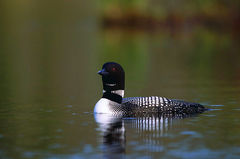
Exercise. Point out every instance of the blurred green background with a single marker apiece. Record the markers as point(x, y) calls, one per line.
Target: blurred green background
point(53, 48)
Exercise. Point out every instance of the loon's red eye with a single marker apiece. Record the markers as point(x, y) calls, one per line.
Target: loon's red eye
point(113, 69)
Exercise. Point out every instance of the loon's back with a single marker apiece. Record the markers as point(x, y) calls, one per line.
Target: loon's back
point(155, 104)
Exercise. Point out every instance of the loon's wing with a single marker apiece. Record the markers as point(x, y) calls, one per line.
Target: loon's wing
point(161, 105)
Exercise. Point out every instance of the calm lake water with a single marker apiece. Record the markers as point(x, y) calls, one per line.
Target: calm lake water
point(49, 86)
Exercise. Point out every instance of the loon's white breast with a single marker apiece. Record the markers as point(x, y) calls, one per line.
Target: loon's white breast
point(103, 106)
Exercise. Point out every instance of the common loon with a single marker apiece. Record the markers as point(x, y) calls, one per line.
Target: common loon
point(112, 101)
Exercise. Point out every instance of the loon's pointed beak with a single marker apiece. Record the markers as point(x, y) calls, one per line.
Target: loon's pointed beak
point(103, 72)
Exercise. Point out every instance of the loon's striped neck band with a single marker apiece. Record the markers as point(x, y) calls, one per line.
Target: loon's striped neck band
point(118, 92)
point(115, 95)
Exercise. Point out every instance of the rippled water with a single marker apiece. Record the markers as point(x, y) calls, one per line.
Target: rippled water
point(49, 86)
point(41, 130)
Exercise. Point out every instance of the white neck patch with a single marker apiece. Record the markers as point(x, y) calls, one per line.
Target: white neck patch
point(111, 85)
point(118, 92)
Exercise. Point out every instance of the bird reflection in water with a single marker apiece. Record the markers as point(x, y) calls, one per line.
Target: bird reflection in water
point(113, 133)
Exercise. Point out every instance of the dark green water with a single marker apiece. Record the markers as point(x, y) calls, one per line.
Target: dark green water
point(49, 86)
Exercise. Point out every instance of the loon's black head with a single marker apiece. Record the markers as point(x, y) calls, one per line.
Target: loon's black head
point(112, 76)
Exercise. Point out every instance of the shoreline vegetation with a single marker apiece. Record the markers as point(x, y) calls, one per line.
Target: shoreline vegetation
point(134, 20)
point(217, 15)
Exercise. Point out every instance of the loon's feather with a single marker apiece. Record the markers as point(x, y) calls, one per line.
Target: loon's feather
point(154, 104)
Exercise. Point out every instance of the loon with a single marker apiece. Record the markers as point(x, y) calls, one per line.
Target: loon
point(114, 103)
